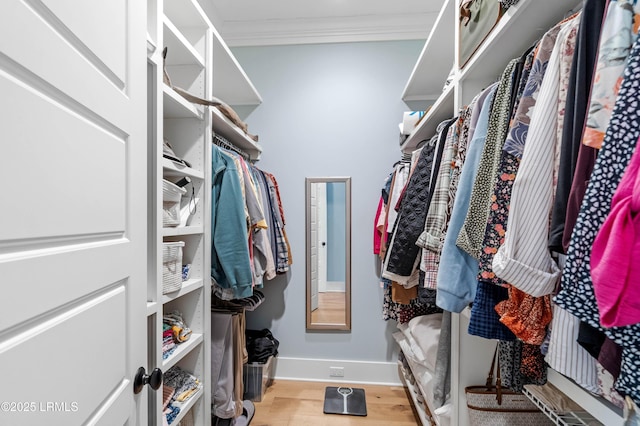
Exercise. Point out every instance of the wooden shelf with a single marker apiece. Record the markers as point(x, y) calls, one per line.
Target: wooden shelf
point(441, 110)
point(415, 371)
point(230, 83)
point(182, 230)
point(152, 308)
point(171, 168)
point(179, 49)
point(175, 106)
point(181, 351)
point(436, 59)
point(516, 31)
point(425, 419)
point(187, 287)
point(599, 408)
point(186, 13)
point(188, 405)
point(231, 132)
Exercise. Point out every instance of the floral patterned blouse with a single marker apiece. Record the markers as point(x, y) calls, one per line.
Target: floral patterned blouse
point(618, 33)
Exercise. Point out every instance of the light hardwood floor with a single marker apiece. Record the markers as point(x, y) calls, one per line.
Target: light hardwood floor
point(293, 403)
point(331, 306)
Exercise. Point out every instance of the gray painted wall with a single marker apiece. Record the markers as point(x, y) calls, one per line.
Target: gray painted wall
point(329, 110)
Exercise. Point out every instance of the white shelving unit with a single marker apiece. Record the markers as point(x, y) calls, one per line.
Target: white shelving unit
point(439, 111)
point(225, 128)
point(199, 62)
point(230, 83)
point(182, 27)
point(425, 410)
point(517, 30)
point(424, 417)
point(428, 75)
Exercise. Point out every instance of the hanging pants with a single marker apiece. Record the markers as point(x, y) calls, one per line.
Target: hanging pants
point(228, 355)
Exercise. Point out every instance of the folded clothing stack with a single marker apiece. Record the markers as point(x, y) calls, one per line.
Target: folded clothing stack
point(181, 332)
point(184, 385)
point(168, 344)
point(261, 344)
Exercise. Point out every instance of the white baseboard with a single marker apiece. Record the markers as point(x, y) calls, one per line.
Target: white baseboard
point(335, 286)
point(317, 370)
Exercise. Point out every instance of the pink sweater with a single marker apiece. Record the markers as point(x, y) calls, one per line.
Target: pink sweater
point(615, 255)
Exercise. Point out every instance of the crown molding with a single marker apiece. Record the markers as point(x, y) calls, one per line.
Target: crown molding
point(328, 30)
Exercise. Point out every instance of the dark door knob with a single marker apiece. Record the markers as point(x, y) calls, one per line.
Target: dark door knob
point(324, 244)
point(154, 379)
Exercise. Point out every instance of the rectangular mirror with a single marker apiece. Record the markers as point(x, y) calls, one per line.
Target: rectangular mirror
point(328, 254)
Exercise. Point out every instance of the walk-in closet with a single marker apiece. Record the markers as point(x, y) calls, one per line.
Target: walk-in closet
point(224, 213)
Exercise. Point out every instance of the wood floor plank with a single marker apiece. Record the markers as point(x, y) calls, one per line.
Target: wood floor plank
point(293, 403)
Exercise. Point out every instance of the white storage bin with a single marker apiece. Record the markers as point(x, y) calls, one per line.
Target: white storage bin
point(171, 196)
point(257, 378)
point(171, 266)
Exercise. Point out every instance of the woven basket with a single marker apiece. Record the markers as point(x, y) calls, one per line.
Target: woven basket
point(171, 266)
point(492, 405)
point(515, 410)
point(171, 196)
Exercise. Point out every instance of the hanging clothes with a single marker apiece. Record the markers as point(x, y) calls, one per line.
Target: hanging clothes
point(616, 38)
point(578, 93)
point(433, 230)
point(402, 253)
point(283, 248)
point(456, 288)
point(524, 260)
point(472, 232)
point(484, 320)
point(228, 355)
point(576, 294)
point(614, 268)
point(230, 263)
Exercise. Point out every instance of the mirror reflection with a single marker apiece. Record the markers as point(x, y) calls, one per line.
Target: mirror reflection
point(328, 229)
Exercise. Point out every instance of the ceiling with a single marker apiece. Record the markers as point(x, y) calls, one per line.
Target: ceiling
point(272, 22)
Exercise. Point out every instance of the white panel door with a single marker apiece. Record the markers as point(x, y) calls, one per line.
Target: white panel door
point(314, 251)
point(321, 205)
point(73, 216)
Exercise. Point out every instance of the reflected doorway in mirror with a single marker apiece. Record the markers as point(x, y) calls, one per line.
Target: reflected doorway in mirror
point(328, 253)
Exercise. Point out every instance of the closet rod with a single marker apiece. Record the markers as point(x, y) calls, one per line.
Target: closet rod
point(224, 143)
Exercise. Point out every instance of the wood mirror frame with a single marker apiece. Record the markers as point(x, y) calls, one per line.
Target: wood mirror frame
point(328, 249)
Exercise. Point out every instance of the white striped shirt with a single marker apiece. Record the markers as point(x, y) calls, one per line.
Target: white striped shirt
point(566, 356)
point(524, 259)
